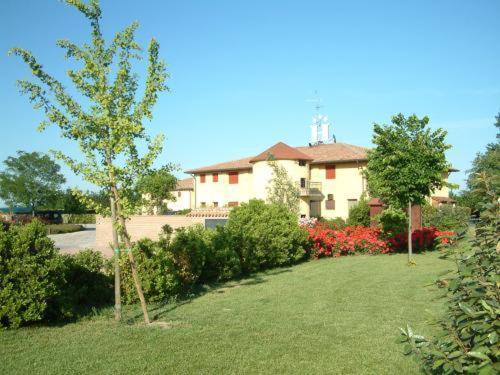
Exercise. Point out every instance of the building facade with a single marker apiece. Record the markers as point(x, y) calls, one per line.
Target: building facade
point(329, 178)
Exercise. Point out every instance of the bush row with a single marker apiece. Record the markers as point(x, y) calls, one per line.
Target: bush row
point(78, 218)
point(37, 283)
point(257, 236)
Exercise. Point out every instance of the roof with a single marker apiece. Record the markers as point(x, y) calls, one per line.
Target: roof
point(335, 152)
point(217, 212)
point(318, 154)
point(227, 166)
point(185, 184)
point(281, 151)
point(443, 199)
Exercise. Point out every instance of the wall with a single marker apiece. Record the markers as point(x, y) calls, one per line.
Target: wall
point(222, 192)
point(263, 174)
point(347, 184)
point(142, 226)
point(182, 202)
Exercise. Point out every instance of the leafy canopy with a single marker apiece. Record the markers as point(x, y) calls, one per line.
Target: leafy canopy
point(108, 120)
point(281, 189)
point(156, 188)
point(408, 161)
point(31, 179)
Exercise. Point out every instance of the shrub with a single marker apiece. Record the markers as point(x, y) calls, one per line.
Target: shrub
point(469, 342)
point(63, 228)
point(155, 265)
point(337, 223)
point(446, 217)
point(360, 213)
point(221, 260)
point(78, 218)
point(346, 241)
point(422, 239)
point(189, 247)
point(84, 285)
point(393, 221)
point(30, 270)
point(265, 235)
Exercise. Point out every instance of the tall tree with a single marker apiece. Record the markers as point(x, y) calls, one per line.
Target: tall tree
point(156, 189)
point(105, 120)
point(31, 179)
point(487, 162)
point(407, 164)
point(282, 189)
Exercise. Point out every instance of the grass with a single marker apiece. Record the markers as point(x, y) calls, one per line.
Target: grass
point(329, 316)
point(63, 228)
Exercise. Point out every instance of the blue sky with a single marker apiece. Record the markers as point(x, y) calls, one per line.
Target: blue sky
point(242, 72)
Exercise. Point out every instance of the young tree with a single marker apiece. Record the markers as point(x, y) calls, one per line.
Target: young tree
point(107, 122)
point(156, 188)
point(407, 164)
point(31, 179)
point(282, 189)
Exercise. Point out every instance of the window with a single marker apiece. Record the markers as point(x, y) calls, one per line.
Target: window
point(233, 177)
point(330, 202)
point(202, 178)
point(352, 203)
point(203, 204)
point(330, 172)
point(302, 163)
point(216, 204)
point(179, 194)
point(303, 183)
point(215, 177)
point(232, 204)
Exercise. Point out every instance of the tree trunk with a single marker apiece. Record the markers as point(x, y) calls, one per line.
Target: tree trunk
point(116, 249)
point(410, 245)
point(126, 238)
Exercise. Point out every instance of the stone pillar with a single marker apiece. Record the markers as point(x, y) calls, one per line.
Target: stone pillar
point(376, 207)
point(416, 217)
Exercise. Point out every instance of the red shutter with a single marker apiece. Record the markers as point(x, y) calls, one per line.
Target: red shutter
point(330, 172)
point(215, 177)
point(202, 178)
point(232, 204)
point(233, 177)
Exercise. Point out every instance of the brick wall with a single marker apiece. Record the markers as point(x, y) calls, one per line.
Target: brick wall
point(139, 227)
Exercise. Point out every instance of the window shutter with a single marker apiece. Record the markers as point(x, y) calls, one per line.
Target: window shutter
point(232, 204)
point(330, 172)
point(233, 177)
point(215, 177)
point(202, 178)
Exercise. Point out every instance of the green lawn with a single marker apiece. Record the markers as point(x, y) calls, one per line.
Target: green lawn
point(329, 316)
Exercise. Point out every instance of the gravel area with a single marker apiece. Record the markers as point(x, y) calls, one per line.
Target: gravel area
point(76, 241)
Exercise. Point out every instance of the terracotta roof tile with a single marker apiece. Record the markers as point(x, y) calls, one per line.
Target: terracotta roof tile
point(220, 212)
point(185, 184)
point(281, 151)
point(226, 166)
point(335, 152)
point(325, 153)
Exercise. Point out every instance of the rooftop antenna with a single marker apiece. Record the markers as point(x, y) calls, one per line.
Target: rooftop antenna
point(320, 127)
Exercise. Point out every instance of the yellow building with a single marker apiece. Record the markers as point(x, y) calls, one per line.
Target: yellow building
point(184, 196)
point(328, 176)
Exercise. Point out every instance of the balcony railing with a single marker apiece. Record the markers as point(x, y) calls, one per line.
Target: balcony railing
point(308, 188)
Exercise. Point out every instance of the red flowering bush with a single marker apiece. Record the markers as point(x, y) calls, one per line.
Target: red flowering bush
point(327, 241)
point(422, 239)
point(346, 241)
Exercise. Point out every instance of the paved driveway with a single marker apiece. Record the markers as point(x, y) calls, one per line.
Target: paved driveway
point(73, 242)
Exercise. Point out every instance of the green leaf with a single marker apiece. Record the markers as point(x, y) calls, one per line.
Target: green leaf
point(478, 355)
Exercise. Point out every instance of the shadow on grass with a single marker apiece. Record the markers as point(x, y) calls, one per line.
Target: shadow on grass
point(158, 311)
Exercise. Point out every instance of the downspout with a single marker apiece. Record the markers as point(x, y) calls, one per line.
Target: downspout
point(195, 189)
